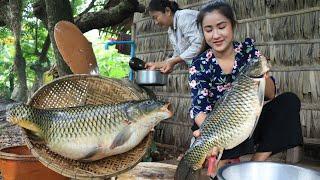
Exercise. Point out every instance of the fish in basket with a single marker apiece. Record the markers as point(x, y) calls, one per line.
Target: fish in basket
point(91, 132)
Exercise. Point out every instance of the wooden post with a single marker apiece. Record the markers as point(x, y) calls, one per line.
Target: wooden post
point(294, 155)
point(149, 170)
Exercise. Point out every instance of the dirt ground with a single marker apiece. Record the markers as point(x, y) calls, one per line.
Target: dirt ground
point(9, 136)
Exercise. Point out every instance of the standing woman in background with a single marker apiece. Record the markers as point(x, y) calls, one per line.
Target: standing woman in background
point(183, 33)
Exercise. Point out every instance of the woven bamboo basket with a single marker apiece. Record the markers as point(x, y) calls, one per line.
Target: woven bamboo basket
point(76, 90)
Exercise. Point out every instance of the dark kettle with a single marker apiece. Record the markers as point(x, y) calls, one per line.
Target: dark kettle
point(136, 64)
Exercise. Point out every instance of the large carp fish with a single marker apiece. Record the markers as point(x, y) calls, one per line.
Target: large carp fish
point(91, 132)
point(231, 121)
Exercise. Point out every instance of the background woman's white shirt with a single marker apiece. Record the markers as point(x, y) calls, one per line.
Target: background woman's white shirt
point(185, 36)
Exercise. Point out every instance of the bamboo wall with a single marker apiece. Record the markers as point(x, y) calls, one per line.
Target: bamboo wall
point(287, 31)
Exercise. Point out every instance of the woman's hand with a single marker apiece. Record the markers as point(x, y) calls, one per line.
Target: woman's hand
point(166, 66)
point(270, 87)
point(154, 65)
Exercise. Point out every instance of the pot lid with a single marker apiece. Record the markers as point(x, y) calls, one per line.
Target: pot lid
point(75, 49)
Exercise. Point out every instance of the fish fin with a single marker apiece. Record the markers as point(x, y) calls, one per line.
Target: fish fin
point(91, 154)
point(121, 138)
point(30, 126)
point(186, 172)
point(33, 135)
point(213, 164)
point(220, 154)
point(4, 104)
point(262, 86)
point(261, 89)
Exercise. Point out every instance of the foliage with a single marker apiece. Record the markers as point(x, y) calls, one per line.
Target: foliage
point(110, 62)
point(6, 62)
point(78, 6)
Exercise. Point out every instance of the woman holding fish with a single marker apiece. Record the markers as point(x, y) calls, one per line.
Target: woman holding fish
point(215, 78)
point(183, 33)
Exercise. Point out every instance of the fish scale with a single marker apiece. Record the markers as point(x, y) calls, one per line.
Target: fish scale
point(231, 121)
point(68, 128)
point(216, 132)
point(91, 132)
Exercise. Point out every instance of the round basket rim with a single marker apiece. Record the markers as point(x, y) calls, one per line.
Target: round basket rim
point(72, 173)
point(12, 156)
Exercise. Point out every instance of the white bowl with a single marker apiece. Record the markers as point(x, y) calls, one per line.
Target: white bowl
point(266, 171)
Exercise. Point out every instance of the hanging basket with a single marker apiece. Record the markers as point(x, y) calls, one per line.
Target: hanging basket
point(77, 90)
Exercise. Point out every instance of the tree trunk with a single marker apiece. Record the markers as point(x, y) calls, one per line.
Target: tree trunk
point(4, 15)
point(15, 15)
point(39, 67)
point(20, 64)
point(58, 10)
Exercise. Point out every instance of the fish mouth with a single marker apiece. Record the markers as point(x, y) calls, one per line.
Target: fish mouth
point(168, 109)
point(267, 65)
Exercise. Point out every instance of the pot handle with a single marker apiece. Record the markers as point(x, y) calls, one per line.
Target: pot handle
point(136, 64)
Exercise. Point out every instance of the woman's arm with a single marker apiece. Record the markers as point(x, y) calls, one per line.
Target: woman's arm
point(270, 87)
point(200, 89)
point(191, 33)
point(200, 118)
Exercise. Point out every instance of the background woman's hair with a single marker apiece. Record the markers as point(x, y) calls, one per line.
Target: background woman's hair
point(160, 5)
point(223, 8)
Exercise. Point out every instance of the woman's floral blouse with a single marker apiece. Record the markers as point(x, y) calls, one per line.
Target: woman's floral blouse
point(208, 82)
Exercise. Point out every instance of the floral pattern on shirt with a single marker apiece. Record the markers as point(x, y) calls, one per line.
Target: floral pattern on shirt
point(207, 80)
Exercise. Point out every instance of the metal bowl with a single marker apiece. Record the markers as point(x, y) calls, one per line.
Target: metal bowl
point(266, 171)
point(150, 78)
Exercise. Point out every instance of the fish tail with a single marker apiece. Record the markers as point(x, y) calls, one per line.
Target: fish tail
point(2, 120)
point(2, 114)
point(22, 115)
point(4, 103)
point(186, 172)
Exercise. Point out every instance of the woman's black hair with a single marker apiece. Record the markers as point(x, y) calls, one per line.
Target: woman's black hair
point(223, 8)
point(161, 5)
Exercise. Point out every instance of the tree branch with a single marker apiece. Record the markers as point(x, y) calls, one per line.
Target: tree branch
point(108, 17)
point(2, 23)
point(39, 10)
point(91, 5)
point(114, 13)
point(58, 10)
point(4, 19)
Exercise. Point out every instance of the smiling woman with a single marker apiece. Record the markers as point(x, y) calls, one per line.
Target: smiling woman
point(212, 74)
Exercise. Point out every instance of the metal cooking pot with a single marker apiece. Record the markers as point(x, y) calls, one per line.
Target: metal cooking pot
point(150, 78)
point(266, 171)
